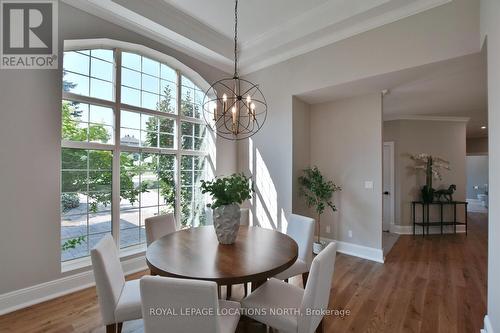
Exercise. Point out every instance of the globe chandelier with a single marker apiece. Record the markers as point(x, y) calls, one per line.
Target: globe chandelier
point(234, 108)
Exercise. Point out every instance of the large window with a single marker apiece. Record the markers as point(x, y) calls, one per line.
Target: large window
point(129, 151)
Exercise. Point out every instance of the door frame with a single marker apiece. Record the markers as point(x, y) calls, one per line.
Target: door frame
point(392, 201)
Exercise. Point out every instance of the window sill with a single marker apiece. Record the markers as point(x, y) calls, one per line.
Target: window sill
point(85, 262)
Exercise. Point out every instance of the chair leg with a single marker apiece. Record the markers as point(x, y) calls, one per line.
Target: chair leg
point(119, 327)
point(245, 286)
point(111, 328)
point(229, 291)
point(320, 327)
point(304, 278)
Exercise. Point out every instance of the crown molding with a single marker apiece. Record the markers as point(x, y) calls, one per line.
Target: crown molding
point(426, 118)
point(321, 26)
point(275, 51)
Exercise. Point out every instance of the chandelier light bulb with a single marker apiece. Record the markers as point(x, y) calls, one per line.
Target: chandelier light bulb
point(238, 98)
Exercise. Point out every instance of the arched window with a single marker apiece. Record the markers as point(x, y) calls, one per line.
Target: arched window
point(133, 145)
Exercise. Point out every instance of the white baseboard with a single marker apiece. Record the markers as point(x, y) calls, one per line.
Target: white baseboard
point(39, 293)
point(408, 229)
point(487, 325)
point(365, 252)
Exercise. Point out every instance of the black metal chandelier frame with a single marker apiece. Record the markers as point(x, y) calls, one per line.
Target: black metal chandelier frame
point(234, 108)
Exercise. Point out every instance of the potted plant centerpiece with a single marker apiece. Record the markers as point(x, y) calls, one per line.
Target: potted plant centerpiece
point(227, 194)
point(318, 193)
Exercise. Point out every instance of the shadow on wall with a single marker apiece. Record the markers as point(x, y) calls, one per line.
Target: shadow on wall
point(264, 208)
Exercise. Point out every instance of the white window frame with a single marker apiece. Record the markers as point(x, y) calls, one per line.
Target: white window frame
point(117, 106)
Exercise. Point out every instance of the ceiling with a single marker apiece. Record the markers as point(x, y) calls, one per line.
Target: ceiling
point(452, 88)
point(269, 31)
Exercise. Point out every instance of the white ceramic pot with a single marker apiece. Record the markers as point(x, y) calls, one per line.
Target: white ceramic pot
point(318, 247)
point(227, 223)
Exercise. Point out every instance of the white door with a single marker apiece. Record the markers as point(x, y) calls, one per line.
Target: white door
point(388, 189)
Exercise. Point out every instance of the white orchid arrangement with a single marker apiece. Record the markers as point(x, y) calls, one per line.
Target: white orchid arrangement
point(430, 164)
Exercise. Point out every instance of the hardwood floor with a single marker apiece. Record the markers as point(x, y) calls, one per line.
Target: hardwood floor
point(431, 284)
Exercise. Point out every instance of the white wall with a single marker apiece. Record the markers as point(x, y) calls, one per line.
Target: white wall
point(477, 175)
point(30, 149)
point(346, 145)
point(490, 18)
point(301, 151)
point(442, 33)
point(445, 139)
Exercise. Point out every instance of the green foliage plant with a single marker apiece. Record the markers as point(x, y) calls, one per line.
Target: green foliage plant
point(318, 192)
point(227, 190)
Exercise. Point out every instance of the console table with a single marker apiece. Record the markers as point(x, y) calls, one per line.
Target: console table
point(426, 222)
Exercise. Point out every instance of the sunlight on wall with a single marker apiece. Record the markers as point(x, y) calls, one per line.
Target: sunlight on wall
point(266, 201)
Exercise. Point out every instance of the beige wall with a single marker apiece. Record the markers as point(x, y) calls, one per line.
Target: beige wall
point(301, 151)
point(490, 18)
point(477, 146)
point(30, 164)
point(346, 145)
point(445, 32)
point(440, 138)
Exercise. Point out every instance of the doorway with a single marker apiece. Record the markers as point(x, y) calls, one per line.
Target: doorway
point(388, 199)
point(388, 188)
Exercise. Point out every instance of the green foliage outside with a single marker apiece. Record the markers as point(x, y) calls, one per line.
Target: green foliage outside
point(228, 190)
point(317, 191)
point(100, 181)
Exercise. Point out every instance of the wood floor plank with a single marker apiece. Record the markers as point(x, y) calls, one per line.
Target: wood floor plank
point(427, 284)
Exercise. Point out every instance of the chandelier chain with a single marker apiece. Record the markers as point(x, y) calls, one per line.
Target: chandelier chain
point(236, 39)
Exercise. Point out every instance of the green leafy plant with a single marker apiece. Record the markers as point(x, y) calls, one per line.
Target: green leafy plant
point(228, 190)
point(317, 192)
point(72, 243)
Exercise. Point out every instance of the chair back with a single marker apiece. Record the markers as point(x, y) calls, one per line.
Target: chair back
point(317, 291)
point(109, 277)
point(301, 229)
point(165, 300)
point(159, 226)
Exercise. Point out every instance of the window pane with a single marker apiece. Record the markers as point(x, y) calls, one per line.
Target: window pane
point(101, 69)
point(130, 137)
point(76, 84)
point(150, 83)
point(131, 78)
point(131, 96)
point(131, 60)
point(103, 54)
point(168, 97)
point(85, 213)
point(101, 89)
point(150, 67)
point(168, 73)
point(187, 102)
point(149, 101)
point(130, 119)
point(101, 115)
point(76, 63)
point(89, 76)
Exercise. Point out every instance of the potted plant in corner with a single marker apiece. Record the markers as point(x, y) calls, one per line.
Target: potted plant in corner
point(227, 194)
point(318, 193)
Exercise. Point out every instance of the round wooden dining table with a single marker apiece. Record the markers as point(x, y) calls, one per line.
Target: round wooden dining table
point(195, 253)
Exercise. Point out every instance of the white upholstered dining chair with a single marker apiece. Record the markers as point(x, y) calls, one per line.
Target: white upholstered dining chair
point(159, 226)
point(301, 229)
point(119, 300)
point(276, 294)
point(159, 293)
